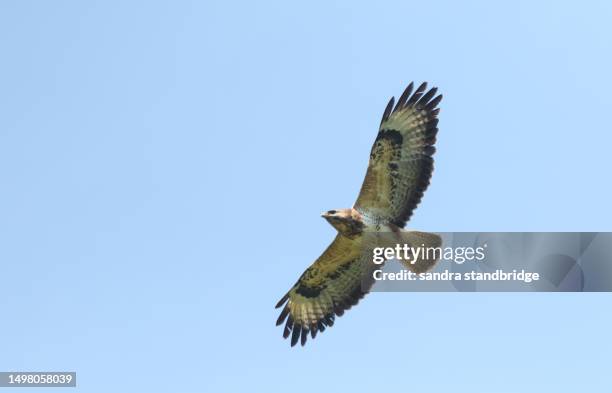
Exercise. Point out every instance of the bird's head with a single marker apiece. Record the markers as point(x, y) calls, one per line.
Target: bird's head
point(346, 221)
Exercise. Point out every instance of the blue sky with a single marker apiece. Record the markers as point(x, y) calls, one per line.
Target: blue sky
point(164, 165)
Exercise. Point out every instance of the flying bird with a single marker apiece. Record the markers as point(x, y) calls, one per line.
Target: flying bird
point(398, 174)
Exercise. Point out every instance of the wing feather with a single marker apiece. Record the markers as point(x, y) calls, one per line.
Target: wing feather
point(401, 161)
point(334, 283)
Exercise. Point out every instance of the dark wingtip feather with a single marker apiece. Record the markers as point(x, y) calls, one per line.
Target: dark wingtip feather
point(434, 103)
point(388, 110)
point(433, 123)
point(313, 331)
point(304, 335)
point(404, 97)
point(287, 330)
point(282, 316)
point(288, 327)
point(421, 88)
point(417, 94)
point(282, 301)
point(296, 335)
point(428, 96)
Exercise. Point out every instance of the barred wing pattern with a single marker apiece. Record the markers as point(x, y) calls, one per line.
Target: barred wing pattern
point(401, 160)
point(337, 280)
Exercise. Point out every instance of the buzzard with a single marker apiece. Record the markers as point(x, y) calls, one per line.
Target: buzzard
point(398, 174)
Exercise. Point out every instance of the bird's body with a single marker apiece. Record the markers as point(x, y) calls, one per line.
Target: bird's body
point(398, 173)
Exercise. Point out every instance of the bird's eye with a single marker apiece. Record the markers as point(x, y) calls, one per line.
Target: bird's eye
point(331, 212)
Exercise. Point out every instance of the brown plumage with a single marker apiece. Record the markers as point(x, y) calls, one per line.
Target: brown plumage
point(398, 174)
point(401, 160)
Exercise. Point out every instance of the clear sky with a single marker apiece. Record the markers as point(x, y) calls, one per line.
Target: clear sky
point(163, 167)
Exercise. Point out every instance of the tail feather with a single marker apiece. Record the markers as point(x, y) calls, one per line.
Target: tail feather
point(427, 259)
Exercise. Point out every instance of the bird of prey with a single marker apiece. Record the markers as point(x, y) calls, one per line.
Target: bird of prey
point(398, 174)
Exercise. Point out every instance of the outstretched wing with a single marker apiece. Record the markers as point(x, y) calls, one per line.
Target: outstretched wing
point(335, 282)
point(401, 160)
